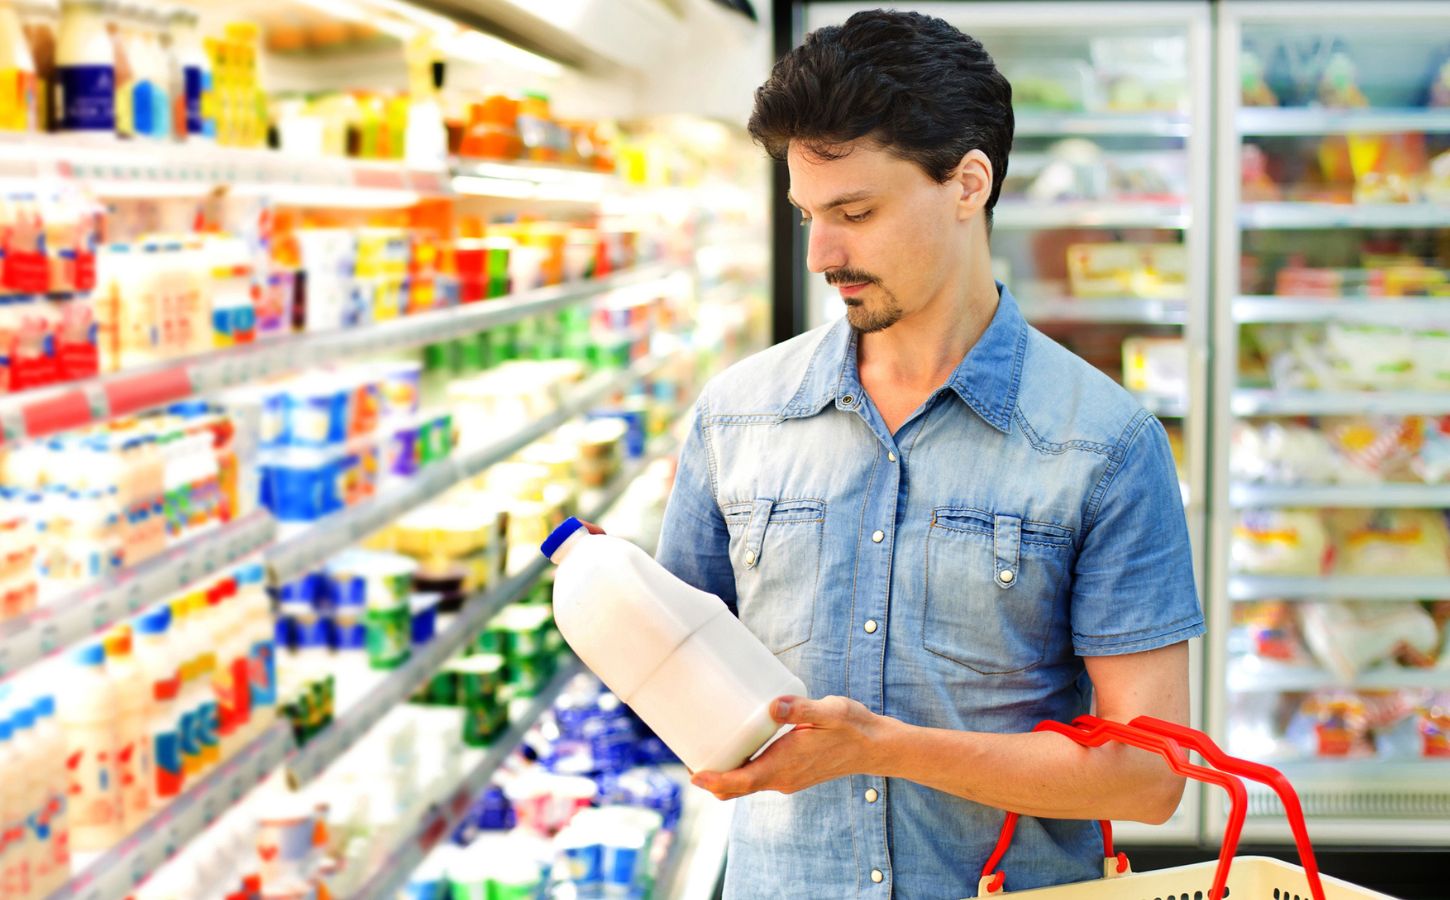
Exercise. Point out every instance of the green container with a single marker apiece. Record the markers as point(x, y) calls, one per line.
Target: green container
point(435, 438)
point(479, 678)
point(482, 725)
point(469, 356)
point(526, 676)
point(502, 344)
point(491, 640)
point(390, 636)
point(441, 689)
point(498, 271)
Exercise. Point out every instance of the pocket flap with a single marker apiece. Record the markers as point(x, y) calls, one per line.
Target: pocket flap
point(755, 531)
point(1006, 547)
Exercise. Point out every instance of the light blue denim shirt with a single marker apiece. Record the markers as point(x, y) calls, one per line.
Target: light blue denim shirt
point(952, 575)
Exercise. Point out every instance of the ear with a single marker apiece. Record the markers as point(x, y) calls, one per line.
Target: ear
point(974, 177)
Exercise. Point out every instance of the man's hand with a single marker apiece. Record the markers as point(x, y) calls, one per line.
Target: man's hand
point(833, 737)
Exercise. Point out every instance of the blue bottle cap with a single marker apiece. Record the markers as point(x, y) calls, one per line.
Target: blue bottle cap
point(90, 655)
point(24, 717)
point(44, 706)
point(560, 535)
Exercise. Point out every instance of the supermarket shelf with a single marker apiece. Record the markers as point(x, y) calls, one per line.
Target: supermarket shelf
point(1275, 216)
point(63, 407)
point(530, 181)
point(399, 685)
point(313, 546)
point(441, 819)
point(1165, 406)
point(1127, 311)
point(73, 618)
point(1363, 496)
point(1362, 310)
point(1100, 124)
point(1258, 402)
point(1270, 121)
point(115, 875)
point(697, 860)
point(1251, 675)
point(1406, 801)
point(1337, 587)
point(119, 169)
point(1105, 214)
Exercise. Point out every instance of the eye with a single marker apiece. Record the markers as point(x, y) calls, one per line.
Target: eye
point(858, 217)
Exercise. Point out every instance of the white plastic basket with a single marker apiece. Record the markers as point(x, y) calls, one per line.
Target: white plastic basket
point(1249, 878)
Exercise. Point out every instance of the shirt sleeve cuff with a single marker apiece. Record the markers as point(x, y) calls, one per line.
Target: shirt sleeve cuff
point(1138, 642)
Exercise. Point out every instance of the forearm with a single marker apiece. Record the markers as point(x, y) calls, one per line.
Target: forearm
point(1038, 774)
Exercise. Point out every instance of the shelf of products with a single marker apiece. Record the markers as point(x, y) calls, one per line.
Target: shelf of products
point(1018, 215)
point(71, 619)
point(1287, 215)
point(1125, 311)
point(400, 684)
point(1424, 313)
point(51, 410)
point(1350, 587)
point(1328, 640)
point(1253, 675)
point(1311, 122)
point(444, 818)
point(1058, 124)
point(1252, 402)
point(1368, 496)
point(115, 874)
point(151, 169)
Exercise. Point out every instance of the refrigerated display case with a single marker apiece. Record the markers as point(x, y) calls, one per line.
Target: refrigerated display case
point(1329, 630)
point(1102, 228)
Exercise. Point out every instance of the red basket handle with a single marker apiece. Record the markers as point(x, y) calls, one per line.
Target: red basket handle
point(1267, 775)
point(1091, 731)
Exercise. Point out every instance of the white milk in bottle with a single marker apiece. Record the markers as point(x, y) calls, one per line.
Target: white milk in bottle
point(52, 825)
point(157, 658)
point(691, 670)
point(133, 761)
point(88, 718)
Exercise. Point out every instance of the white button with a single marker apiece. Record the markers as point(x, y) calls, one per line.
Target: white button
point(1006, 576)
point(891, 456)
point(870, 626)
point(749, 557)
point(871, 795)
point(878, 536)
point(876, 875)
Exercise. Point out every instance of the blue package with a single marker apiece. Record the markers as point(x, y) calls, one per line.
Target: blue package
point(300, 485)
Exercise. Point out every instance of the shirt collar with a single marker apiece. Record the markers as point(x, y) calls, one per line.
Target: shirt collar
point(987, 379)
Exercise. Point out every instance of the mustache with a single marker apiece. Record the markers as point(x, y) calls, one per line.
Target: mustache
point(850, 276)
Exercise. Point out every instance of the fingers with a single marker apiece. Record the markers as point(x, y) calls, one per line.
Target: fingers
point(591, 527)
point(793, 710)
point(726, 785)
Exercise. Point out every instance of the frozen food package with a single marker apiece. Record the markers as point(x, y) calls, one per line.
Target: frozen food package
point(1332, 724)
point(1432, 463)
point(1430, 350)
point(1156, 365)
point(1373, 449)
point(1372, 357)
point(1348, 637)
point(1280, 542)
point(1277, 452)
point(1391, 542)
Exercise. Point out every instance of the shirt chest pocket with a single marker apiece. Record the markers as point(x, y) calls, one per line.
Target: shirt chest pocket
point(995, 589)
point(775, 547)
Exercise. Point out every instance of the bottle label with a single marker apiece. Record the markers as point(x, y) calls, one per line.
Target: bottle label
point(85, 97)
point(263, 674)
point(170, 769)
point(198, 85)
point(209, 734)
point(143, 109)
point(92, 784)
point(190, 743)
point(17, 100)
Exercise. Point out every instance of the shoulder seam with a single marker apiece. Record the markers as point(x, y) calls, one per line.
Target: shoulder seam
point(1115, 463)
point(703, 414)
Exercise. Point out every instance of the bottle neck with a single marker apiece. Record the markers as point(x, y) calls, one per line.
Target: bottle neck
point(569, 544)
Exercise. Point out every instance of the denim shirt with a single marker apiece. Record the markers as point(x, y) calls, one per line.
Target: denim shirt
point(951, 575)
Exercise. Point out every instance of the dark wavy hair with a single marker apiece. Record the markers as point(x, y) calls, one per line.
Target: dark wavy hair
point(913, 84)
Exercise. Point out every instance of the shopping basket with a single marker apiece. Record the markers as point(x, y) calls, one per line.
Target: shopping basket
point(1247, 878)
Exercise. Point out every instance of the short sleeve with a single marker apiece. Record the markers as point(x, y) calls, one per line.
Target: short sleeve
point(1133, 587)
point(694, 542)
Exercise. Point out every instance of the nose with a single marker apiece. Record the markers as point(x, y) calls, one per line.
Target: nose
point(824, 249)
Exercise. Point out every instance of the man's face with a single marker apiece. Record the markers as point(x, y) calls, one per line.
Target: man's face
point(880, 229)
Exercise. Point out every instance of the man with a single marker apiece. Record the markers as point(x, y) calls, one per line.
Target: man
point(947, 525)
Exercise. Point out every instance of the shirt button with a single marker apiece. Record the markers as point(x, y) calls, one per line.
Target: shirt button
point(870, 626)
point(871, 795)
point(878, 536)
point(749, 557)
point(1006, 576)
point(891, 456)
point(848, 399)
point(876, 875)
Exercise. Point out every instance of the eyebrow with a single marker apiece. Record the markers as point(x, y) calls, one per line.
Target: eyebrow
point(842, 200)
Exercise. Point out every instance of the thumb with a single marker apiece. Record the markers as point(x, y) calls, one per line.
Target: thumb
point(793, 710)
